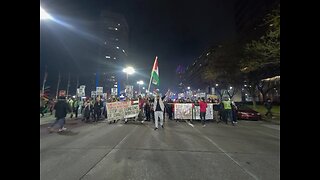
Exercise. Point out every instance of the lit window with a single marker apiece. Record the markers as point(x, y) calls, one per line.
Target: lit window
point(108, 57)
point(116, 29)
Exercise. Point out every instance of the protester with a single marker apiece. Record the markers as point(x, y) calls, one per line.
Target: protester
point(61, 108)
point(158, 107)
point(227, 110)
point(216, 109)
point(203, 109)
point(268, 105)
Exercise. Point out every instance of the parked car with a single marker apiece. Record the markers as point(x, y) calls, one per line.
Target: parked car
point(244, 112)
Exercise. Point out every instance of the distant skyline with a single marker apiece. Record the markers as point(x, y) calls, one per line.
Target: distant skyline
point(175, 32)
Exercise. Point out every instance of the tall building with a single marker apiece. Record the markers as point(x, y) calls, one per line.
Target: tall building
point(113, 48)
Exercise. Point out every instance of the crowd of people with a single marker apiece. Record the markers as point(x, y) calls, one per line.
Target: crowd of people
point(225, 110)
point(151, 109)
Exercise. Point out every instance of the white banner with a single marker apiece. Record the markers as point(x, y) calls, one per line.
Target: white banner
point(182, 111)
point(93, 94)
point(99, 91)
point(189, 111)
point(121, 110)
point(80, 92)
point(114, 91)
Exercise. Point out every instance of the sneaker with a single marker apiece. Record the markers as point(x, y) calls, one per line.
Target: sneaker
point(162, 126)
point(155, 128)
point(142, 121)
point(62, 129)
point(204, 125)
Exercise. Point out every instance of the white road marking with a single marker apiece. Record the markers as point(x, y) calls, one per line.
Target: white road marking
point(190, 124)
point(224, 152)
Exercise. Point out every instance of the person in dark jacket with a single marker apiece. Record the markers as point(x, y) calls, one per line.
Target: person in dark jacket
point(97, 109)
point(62, 108)
point(216, 109)
point(268, 106)
point(234, 113)
point(87, 110)
point(147, 109)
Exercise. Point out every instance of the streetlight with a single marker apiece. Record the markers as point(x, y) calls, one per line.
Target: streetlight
point(140, 83)
point(230, 87)
point(217, 85)
point(44, 15)
point(128, 70)
point(188, 87)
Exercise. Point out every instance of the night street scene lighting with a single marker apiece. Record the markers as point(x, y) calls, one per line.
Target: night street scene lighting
point(44, 15)
point(159, 89)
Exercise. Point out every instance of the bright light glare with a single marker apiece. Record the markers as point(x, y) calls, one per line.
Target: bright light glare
point(140, 82)
point(129, 70)
point(44, 15)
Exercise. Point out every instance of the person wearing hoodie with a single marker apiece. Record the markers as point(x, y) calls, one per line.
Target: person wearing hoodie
point(62, 109)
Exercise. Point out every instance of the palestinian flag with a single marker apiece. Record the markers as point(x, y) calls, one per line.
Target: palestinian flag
point(155, 73)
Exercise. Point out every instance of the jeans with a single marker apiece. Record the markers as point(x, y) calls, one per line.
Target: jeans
point(203, 117)
point(160, 115)
point(60, 121)
point(269, 113)
point(147, 115)
point(216, 115)
point(228, 115)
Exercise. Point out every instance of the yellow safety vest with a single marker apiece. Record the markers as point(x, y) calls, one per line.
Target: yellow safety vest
point(226, 104)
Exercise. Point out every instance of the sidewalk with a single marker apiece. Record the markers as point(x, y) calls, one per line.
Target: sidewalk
point(275, 119)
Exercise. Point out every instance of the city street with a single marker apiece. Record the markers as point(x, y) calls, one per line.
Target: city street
point(250, 150)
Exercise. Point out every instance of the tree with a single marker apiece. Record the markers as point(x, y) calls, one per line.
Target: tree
point(266, 85)
point(223, 68)
point(266, 50)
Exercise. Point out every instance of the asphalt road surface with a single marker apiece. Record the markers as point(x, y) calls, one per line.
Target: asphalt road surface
point(135, 151)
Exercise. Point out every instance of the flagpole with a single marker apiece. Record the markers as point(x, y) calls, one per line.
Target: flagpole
point(151, 74)
point(58, 86)
point(44, 80)
point(68, 85)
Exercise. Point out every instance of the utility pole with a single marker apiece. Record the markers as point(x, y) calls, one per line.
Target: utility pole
point(58, 86)
point(44, 80)
point(68, 85)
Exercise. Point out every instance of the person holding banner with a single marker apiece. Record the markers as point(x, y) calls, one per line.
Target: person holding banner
point(203, 109)
point(158, 107)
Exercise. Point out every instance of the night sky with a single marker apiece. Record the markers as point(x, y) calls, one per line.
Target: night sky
point(176, 32)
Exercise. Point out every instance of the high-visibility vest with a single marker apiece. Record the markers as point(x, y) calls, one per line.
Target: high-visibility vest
point(227, 104)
